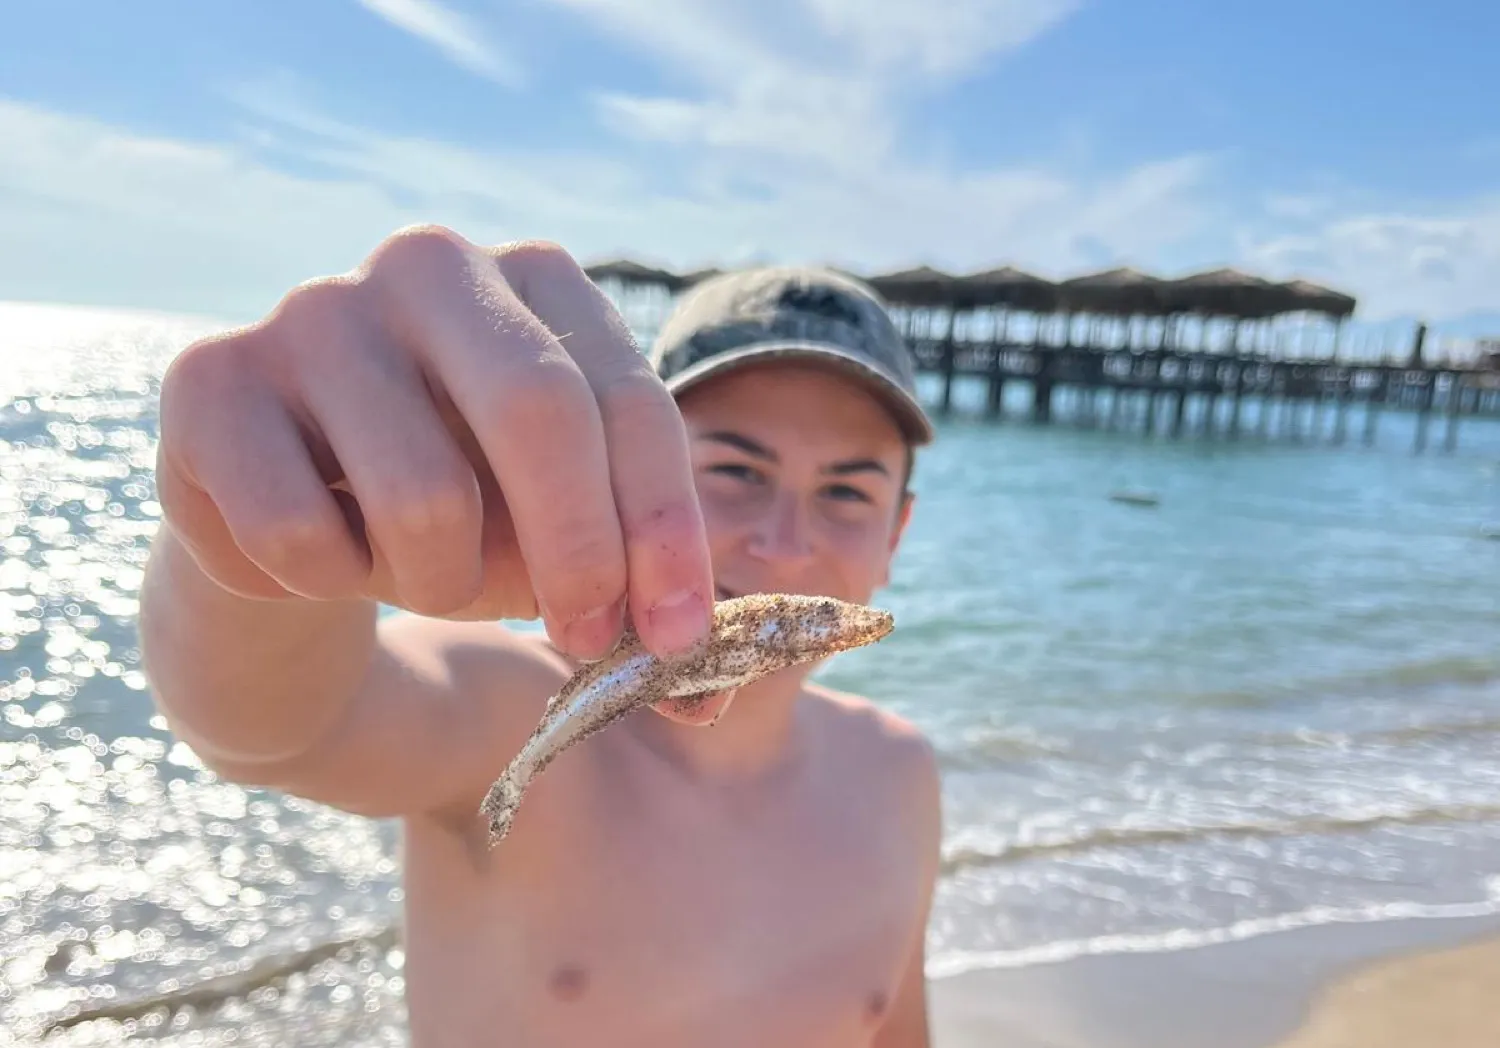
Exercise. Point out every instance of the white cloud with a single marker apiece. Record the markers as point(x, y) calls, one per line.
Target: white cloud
point(761, 88)
point(714, 41)
point(783, 140)
point(1439, 260)
point(451, 32)
point(96, 213)
point(815, 80)
point(100, 213)
point(940, 39)
point(104, 213)
point(808, 118)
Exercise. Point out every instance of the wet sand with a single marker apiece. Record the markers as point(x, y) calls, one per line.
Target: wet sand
point(1449, 998)
point(1380, 985)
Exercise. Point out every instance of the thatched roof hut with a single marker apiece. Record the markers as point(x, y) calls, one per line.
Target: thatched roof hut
point(697, 276)
point(919, 287)
point(1119, 292)
point(630, 273)
point(1303, 296)
point(1114, 292)
point(1224, 293)
point(1009, 287)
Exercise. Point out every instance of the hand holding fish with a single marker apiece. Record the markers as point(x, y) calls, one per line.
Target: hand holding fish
point(455, 430)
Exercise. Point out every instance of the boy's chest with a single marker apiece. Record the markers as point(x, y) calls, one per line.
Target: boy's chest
point(711, 923)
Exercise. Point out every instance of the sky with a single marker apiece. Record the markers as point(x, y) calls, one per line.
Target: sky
point(205, 157)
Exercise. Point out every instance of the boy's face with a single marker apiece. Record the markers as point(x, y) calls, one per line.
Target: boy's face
point(801, 476)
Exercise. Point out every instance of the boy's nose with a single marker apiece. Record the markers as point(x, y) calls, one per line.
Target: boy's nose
point(783, 533)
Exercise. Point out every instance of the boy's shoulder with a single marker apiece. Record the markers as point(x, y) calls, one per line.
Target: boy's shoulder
point(862, 714)
point(875, 736)
point(882, 754)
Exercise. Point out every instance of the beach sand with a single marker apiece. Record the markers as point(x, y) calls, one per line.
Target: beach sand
point(1409, 983)
point(1449, 998)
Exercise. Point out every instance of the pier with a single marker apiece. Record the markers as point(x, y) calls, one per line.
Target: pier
point(1238, 355)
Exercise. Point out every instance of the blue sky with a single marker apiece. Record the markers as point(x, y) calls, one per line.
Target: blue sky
point(205, 156)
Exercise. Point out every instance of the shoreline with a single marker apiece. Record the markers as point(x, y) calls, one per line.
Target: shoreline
point(1300, 988)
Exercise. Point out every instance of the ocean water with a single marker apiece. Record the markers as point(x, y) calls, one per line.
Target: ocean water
point(1271, 700)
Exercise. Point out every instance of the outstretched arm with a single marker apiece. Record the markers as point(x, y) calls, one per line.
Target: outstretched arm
point(458, 431)
point(389, 718)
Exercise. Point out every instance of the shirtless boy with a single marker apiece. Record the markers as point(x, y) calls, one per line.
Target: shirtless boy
point(470, 434)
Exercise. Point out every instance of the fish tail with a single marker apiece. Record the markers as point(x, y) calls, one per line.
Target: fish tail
point(501, 802)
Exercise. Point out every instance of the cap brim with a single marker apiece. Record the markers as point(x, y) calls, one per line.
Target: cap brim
point(909, 414)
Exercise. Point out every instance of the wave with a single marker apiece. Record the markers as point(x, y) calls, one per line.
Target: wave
point(966, 858)
point(1435, 672)
point(994, 749)
point(1443, 669)
point(986, 748)
point(240, 980)
point(989, 746)
point(959, 962)
point(1405, 733)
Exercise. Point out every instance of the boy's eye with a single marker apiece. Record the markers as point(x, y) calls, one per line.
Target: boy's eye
point(845, 492)
point(734, 469)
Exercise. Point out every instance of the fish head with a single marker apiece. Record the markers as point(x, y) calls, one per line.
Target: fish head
point(808, 628)
point(823, 625)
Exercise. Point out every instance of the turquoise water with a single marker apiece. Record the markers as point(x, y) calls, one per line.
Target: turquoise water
point(1272, 699)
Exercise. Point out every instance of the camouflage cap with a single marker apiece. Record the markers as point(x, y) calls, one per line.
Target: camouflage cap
point(791, 312)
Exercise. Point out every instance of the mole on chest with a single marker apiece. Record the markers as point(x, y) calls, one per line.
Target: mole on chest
point(568, 982)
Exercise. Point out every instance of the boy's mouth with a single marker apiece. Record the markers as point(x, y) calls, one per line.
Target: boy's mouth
point(720, 593)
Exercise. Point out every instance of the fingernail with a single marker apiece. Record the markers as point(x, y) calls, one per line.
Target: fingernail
point(728, 701)
point(677, 623)
point(590, 636)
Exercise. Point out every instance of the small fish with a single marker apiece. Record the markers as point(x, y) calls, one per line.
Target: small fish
point(752, 637)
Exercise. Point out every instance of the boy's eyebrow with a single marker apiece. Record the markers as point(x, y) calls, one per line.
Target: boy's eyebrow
point(742, 443)
point(864, 465)
point(758, 450)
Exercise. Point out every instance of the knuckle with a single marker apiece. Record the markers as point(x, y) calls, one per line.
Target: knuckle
point(669, 523)
point(316, 307)
point(543, 257)
point(589, 571)
point(635, 398)
point(443, 592)
point(429, 508)
point(199, 370)
point(590, 550)
point(539, 396)
point(291, 543)
point(436, 601)
point(196, 382)
point(321, 325)
point(418, 246)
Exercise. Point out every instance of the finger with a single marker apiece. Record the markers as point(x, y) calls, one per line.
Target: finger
point(533, 414)
point(418, 497)
point(668, 563)
point(506, 591)
point(253, 465)
point(198, 525)
point(191, 380)
point(699, 711)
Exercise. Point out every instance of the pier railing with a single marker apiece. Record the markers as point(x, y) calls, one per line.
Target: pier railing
point(1152, 389)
